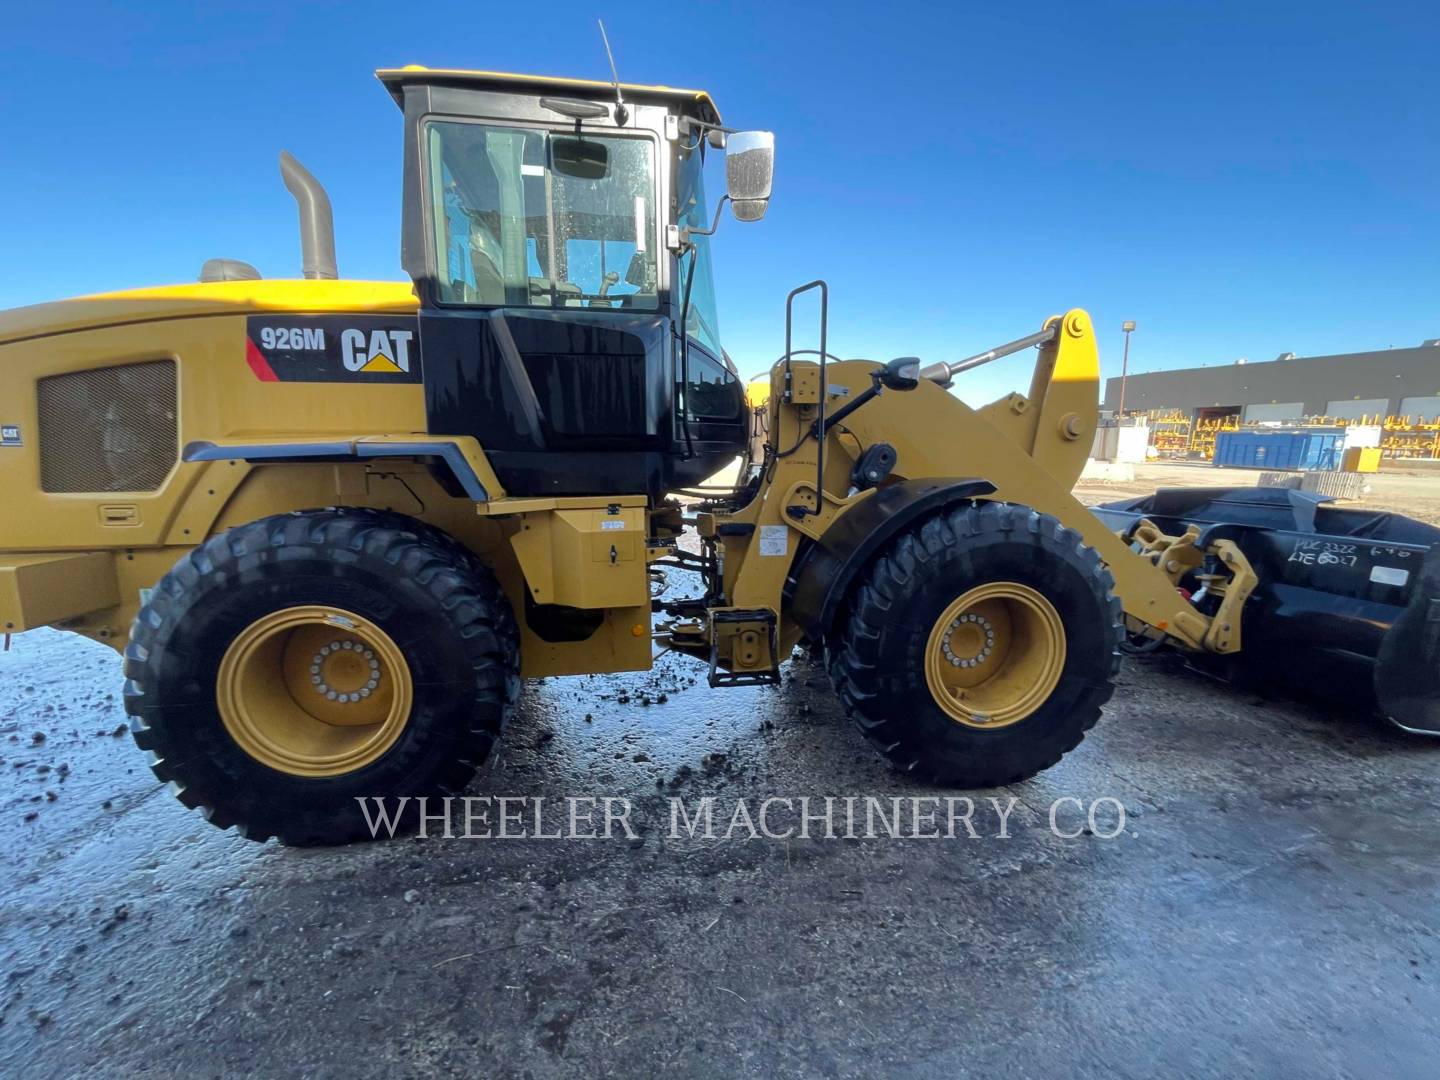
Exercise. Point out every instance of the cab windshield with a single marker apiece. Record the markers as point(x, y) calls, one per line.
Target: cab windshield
point(532, 218)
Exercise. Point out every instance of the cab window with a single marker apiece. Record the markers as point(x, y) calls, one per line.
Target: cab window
point(701, 321)
point(531, 218)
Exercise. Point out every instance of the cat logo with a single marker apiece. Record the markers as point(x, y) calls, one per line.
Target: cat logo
point(333, 348)
point(386, 352)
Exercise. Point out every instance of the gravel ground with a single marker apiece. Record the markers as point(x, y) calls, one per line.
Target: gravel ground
point(1269, 908)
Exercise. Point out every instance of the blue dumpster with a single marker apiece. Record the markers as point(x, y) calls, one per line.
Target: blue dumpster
point(1298, 451)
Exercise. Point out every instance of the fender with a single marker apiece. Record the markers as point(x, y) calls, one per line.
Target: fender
point(824, 574)
point(479, 486)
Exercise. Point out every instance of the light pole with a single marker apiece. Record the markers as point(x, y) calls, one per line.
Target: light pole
point(1128, 326)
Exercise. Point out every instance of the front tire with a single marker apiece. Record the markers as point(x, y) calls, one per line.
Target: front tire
point(286, 668)
point(980, 645)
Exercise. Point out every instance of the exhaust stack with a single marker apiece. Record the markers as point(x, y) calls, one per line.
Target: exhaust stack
point(317, 224)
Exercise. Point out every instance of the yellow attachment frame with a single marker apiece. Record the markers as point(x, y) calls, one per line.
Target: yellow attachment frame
point(1032, 448)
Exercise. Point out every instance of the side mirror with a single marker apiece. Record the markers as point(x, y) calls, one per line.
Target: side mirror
point(901, 374)
point(749, 169)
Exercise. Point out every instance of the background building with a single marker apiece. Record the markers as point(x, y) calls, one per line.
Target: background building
point(1348, 386)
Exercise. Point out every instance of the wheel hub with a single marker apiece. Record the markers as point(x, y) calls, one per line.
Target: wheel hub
point(969, 641)
point(314, 691)
point(995, 654)
point(345, 671)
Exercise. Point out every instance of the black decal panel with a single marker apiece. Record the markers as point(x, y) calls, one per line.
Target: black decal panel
point(333, 348)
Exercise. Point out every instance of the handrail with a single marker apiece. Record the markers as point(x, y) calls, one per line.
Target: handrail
point(824, 328)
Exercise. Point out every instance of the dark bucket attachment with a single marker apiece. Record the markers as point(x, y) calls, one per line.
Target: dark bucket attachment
point(1407, 669)
point(1346, 596)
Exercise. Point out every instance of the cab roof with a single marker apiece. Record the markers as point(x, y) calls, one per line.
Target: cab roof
point(694, 103)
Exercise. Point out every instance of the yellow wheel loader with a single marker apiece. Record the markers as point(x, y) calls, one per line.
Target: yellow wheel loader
point(331, 524)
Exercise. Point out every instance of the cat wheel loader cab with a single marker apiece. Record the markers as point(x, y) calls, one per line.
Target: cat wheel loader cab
point(331, 524)
point(564, 326)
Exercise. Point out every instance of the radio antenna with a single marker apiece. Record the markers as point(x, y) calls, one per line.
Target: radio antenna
point(621, 113)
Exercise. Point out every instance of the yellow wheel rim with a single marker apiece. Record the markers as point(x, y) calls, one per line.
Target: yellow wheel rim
point(314, 691)
point(995, 655)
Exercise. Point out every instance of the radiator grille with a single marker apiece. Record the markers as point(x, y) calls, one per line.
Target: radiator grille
point(108, 429)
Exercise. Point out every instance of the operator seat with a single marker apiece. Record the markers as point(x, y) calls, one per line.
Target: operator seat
point(485, 261)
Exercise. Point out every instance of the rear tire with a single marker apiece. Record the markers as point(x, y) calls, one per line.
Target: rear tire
point(995, 595)
point(216, 694)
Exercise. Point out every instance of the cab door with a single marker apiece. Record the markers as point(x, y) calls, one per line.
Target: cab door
point(542, 321)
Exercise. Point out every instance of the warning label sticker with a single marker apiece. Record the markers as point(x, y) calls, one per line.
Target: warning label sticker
point(775, 540)
point(1389, 575)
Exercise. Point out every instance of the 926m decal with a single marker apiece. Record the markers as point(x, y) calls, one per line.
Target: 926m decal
point(333, 348)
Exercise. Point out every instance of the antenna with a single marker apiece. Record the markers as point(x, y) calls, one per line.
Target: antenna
point(621, 113)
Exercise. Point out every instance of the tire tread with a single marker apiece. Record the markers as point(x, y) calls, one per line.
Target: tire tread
point(455, 580)
point(856, 663)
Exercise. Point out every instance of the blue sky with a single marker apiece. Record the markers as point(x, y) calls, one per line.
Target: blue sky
point(1240, 178)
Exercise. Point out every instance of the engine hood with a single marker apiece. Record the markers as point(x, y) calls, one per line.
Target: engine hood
point(210, 298)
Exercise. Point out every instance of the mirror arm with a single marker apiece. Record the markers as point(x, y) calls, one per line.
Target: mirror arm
point(688, 232)
point(687, 122)
point(869, 394)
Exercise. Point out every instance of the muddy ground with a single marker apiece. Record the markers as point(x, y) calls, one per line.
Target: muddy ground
point(1269, 908)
